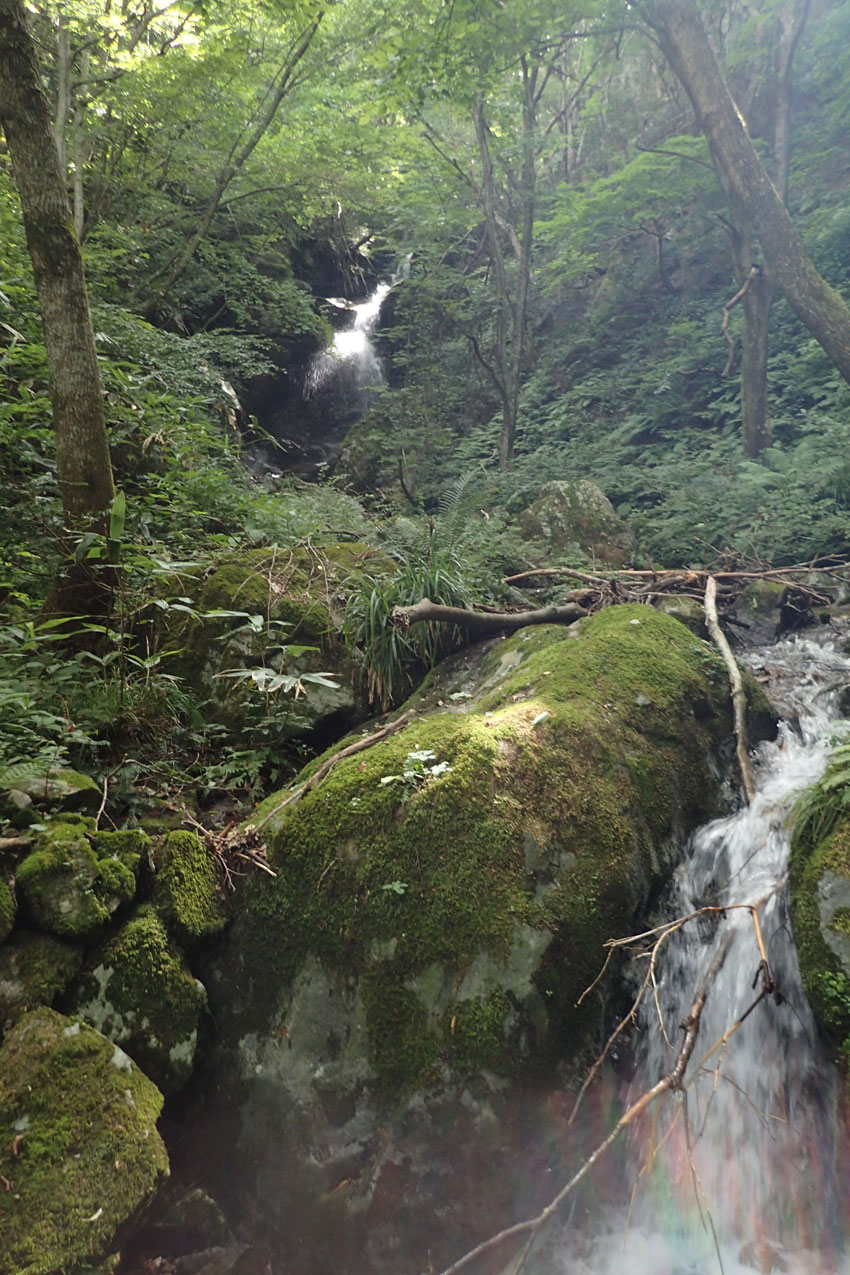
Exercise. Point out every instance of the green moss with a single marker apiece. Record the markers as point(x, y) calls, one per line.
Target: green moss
point(62, 788)
point(573, 761)
point(57, 883)
point(7, 911)
point(138, 991)
point(116, 883)
point(820, 911)
point(187, 891)
point(129, 845)
point(34, 970)
point(78, 1144)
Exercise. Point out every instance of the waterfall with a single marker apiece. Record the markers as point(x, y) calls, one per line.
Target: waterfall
point(351, 353)
point(744, 1174)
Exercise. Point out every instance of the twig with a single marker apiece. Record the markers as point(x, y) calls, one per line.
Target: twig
point(315, 779)
point(739, 696)
point(486, 621)
point(673, 1081)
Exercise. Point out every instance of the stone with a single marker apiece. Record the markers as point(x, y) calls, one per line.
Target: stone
point(137, 989)
point(34, 970)
point(66, 889)
point(578, 519)
point(59, 788)
point(7, 911)
point(78, 1144)
point(187, 889)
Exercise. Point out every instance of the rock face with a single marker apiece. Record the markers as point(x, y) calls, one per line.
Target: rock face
point(576, 518)
point(820, 910)
point(441, 902)
point(78, 1144)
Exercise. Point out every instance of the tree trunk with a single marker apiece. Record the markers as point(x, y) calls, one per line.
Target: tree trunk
point(82, 450)
point(679, 32)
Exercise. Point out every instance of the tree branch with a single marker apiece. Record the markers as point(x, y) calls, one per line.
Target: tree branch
point(483, 621)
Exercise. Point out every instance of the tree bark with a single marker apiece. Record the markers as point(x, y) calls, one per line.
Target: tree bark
point(82, 450)
point(680, 34)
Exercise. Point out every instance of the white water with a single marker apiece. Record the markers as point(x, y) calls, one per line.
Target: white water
point(352, 348)
point(757, 1163)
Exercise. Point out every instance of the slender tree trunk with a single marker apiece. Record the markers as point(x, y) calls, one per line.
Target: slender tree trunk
point(82, 450)
point(678, 29)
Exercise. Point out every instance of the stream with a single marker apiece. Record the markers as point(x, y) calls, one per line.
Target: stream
point(748, 1174)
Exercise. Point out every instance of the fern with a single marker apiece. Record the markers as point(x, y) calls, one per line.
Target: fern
point(817, 812)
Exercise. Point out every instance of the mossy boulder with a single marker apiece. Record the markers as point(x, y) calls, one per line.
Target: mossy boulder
point(577, 518)
point(139, 992)
point(78, 1144)
point(289, 599)
point(34, 970)
point(53, 788)
point(7, 910)
point(65, 888)
point(442, 899)
point(187, 890)
point(820, 912)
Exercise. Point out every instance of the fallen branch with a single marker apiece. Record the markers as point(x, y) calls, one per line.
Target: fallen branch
point(739, 695)
point(484, 621)
point(674, 1080)
point(326, 767)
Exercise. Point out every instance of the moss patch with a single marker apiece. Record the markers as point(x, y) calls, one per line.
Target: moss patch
point(78, 1143)
point(820, 899)
point(138, 991)
point(34, 970)
point(66, 888)
point(571, 762)
point(7, 911)
point(187, 893)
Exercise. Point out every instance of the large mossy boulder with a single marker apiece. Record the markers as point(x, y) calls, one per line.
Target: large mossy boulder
point(286, 600)
point(79, 1148)
point(577, 518)
point(187, 890)
point(441, 902)
point(138, 991)
point(820, 911)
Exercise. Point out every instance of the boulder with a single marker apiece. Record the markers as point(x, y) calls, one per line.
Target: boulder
point(289, 601)
point(53, 788)
point(65, 889)
point(577, 519)
point(187, 890)
point(138, 991)
point(79, 1146)
point(34, 970)
point(441, 902)
point(820, 911)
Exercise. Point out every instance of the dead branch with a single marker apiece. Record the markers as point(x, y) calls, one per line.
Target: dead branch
point(674, 1080)
point(327, 766)
point(755, 271)
point(483, 621)
point(739, 695)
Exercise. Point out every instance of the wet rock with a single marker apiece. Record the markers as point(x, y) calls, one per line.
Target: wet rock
point(138, 991)
point(78, 1144)
point(7, 911)
point(572, 518)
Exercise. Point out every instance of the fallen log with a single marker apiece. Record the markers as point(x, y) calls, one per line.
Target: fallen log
point(429, 612)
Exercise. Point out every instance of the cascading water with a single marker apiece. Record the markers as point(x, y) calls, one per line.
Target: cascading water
point(351, 353)
point(742, 1176)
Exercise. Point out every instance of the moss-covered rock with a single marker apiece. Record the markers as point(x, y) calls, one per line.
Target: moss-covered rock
point(576, 518)
point(292, 598)
point(78, 1144)
point(130, 846)
point(187, 891)
point(66, 889)
point(34, 970)
point(137, 989)
point(7, 910)
point(442, 899)
point(54, 788)
point(820, 911)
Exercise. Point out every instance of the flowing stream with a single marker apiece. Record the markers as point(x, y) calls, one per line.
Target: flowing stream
point(745, 1174)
